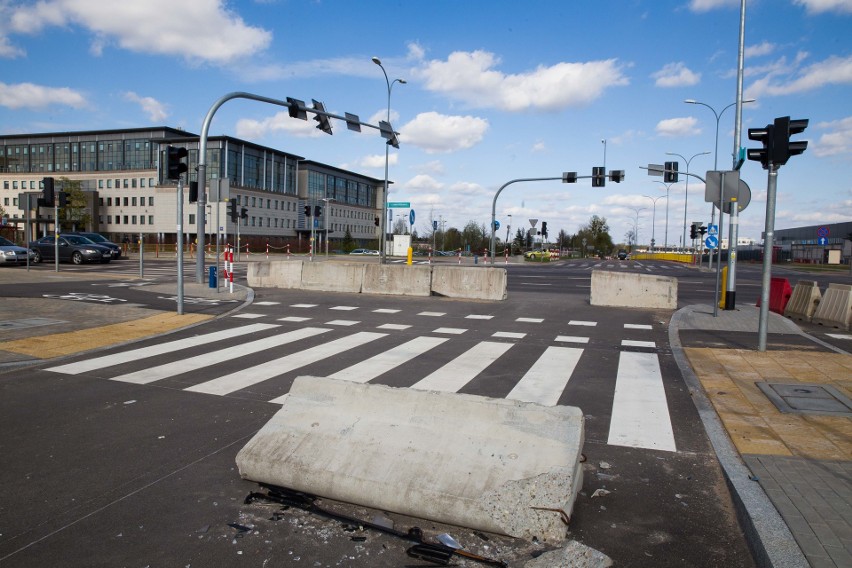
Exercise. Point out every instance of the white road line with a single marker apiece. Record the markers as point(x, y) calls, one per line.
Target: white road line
point(450, 330)
point(640, 413)
point(149, 375)
point(583, 323)
point(265, 303)
point(344, 308)
point(342, 322)
point(303, 305)
point(631, 343)
point(839, 335)
point(461, 370)
point(154, 350)
point(509, 335)
point(294, 319)
point(637, 326)
point(247, 377)
point(544, 382)
point(371, 368)
point(386, 311)
point(249, 316)
point(432, 314)
point(529, 320)
point(571, 339)
point(478, 317)
point(394, 326)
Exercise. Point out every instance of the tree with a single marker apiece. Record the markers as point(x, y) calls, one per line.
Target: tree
point(452, 239)
point(75, 216)
point(520, 240)
point(399, 226)
point(475, 236)
point(348, 243)
point(596, 233)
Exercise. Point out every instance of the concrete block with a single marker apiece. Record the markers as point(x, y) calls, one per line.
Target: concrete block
point(397, 280)
point(629, 290)
point(804, 300)
point(835, 308)
point(460, 459)
point(469, 282)
point(275, 274)
point(333, 276)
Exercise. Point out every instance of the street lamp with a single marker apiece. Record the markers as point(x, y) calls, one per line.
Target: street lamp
point(390, 84)
point(686, 190)
point(327, 218)
point(653, 220)
point(508, 228)
point(668, 187)
point(636, 224)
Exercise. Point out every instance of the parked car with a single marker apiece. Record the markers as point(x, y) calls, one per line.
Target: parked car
point(10, 253)
point(537, 254)
point(72, 248)
point(99, 239)
point(365, 251)
point(622, 254)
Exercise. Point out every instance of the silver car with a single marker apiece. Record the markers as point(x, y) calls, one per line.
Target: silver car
point(10, 253)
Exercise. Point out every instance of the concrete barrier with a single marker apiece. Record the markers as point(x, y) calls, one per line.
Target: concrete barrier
point(835, 308)
point(630, 290)
point(397, 279)
point(460, 459)
point(275, 274)
point(333, 276)
point(469, 282)
point(803, 301)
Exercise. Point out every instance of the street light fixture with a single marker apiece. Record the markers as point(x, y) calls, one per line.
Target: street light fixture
point(668, 187)
point(653, 220)
point(686, 190)
point(636, 225)
point(390, 84)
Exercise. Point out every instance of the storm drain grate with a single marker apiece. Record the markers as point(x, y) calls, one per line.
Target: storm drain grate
point(800, 398)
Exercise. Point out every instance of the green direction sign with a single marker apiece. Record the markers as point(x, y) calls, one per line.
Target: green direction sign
point(399, 204)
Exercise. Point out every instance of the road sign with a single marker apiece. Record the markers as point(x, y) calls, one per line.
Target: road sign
point(711, 242)
point(822, 232)
point(399, 204)
point(411, 217)
point(822, 241)
point(533, 223)
point(712, 230)
point(496, 224)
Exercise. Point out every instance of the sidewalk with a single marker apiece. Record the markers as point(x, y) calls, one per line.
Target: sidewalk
point(790, 470)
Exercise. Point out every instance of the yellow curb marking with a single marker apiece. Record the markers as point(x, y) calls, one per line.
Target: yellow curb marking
point(60, 344)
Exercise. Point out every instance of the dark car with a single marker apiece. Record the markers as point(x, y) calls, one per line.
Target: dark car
point(10, 253)
point(72, 248)
point(99, 239)
point(622, 254)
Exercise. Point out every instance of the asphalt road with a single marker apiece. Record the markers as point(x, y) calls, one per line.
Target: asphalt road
point(131, 462)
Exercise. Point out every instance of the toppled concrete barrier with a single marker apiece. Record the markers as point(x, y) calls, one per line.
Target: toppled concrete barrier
point(276, 274)
point(470, 282)
point(803, 301)
point(627, 290)
point(333, 276)
point(397, 279)
point(460, 459)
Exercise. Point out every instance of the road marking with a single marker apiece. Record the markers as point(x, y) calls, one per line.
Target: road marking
point(265, 303)
point(294, 319)
point(145, 376)
point(464, 368)
point(342, 322)
point(509, 335)
point(244, 378)
point(303, 306)
point(571, 339)
point(478, 317)
point(249, 316)
point(583, 323)
point(432, 314)
point(386, 311)
point(529, 320)
point(371, 368)
point(631, 343)
point(544, 382)
point(154, 350)
point(637, 326)
point(839, 335)
point(640, 413)
point(450, 330)
point(343, 308)
point(394, 326)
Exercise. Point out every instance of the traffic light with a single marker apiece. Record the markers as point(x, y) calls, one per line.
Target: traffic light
point(765, 136)
point(317, 211)
point(63, 199)
point(193, 191)
point(702, 230)
point(598, 176)
point(232, 211)
point(376, 221)
point(243, 213)
point(616, 175)
point(782, 148)
point(693, 232)
point(544, 229)
point(670, 174)
point(322, 119)
point(307, 210)
point(569, 177)
point(47, 192)
point(174, 164)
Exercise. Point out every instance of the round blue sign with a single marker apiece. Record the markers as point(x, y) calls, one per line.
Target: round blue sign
point(411, 217)
point(711, 242)
point(496, 224)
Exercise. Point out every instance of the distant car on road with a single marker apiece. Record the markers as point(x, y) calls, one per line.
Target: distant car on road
point(365, 251)
point(99, 239)
point(72, 248)
point(537, 254)
point(622, 254)
point(10, 253)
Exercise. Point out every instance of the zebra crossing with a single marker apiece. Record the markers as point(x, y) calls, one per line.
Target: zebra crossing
point(273, 353)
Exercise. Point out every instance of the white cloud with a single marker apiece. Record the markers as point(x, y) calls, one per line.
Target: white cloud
point(423, 182)
point(470, 77)
point(782, 79)
point(9, 51)
point(251, 129)
point(820, 6)
point(30, 96)
point(837, 141)
point(374, 161)
point(435, 167)
point(707, 5)
point(684, 126)
point(198, 30)
point(437, 133)
point(155, 109)
point(764, 48)
point(538, 147)
point(676, 75)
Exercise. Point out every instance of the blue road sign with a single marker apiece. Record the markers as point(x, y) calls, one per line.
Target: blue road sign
point(822, 241)
point(712, 229)
point(496, 224)
point(711, 241)
point(822, 232)
point(411, 217)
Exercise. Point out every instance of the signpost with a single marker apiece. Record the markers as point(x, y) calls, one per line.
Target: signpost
point(399, 205)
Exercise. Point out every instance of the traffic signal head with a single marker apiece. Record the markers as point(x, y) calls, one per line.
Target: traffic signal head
point(693, 232)
point(544, 229)
point(598, 176)
point(307, 210)
point(193, 191)
point(616, 175)
point(765, 136)
point(569, 177)
point(243, 213)
point(322, 119)
point(63, 199)
point(376, 221)
point(232, 211)
point(174, 164)
point(296, 108)
point(317, 210)
point(670, 174)
point(47, 192)
point(782, 148)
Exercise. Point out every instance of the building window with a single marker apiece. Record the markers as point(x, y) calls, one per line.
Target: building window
point(141, 219)
point(134, 201)
point(150, 219)
point(133, 220)
point(150, 201)
point(100, 184)
point(141, 182)
point(126, 201)
point(192, 218)
point(109, 219)
point(125, 220)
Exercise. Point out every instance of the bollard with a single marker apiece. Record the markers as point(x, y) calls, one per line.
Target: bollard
point(212, 282)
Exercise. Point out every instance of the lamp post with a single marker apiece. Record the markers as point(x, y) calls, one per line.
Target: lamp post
point(390, 84)
point(508, 228)
point(686, 190)
point(653, 220)
point(325, 222)
point(636, 225)
point(718, 116)
point(668, 187)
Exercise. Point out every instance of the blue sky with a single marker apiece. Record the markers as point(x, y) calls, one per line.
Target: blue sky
point(495, 91)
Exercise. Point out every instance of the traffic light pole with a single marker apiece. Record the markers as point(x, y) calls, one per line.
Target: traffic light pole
point(180, 246)
point(768, 244)
point(494, 203)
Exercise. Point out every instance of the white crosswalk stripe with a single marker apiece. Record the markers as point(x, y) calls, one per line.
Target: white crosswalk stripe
point(639, 412)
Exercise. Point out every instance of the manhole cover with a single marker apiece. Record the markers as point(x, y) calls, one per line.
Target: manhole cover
point(800, 398)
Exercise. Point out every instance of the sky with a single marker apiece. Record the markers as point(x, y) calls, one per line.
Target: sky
point(494, 91)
